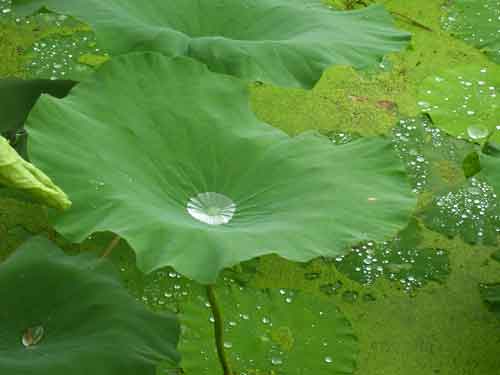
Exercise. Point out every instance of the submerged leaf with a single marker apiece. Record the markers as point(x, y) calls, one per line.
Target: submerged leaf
point(65, 312)
point(17, 173)
point(271, 331)
point(182, 169)
point(284, 42)
point(463, 101)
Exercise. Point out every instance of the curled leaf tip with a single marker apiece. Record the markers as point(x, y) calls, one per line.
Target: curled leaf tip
point(15, 172)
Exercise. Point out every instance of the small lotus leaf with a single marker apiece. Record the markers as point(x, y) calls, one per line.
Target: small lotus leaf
point(463, 101)
point(15, 172)
point(285, 42)
point(177, 136)
point(476, 22)
point(63, 314)
point(280, 332)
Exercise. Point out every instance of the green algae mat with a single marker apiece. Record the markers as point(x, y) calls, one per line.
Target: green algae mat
point(258, 187)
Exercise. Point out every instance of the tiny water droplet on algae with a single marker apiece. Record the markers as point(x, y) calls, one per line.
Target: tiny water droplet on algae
point(33, 336)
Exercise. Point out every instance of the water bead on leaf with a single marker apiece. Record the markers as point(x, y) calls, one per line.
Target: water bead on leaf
point(464, 101)
point(33, 336)
point(477, 23)
point(309, 335)
point(211, 208)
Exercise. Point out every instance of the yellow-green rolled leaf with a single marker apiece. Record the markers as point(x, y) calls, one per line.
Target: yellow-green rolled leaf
point(17, 173)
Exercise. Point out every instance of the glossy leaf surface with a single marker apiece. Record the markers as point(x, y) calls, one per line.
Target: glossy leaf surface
point(171, 144)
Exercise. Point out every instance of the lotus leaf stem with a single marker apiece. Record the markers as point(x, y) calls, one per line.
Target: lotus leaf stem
point(218, 329)
point(114, 242)
point(410, 20)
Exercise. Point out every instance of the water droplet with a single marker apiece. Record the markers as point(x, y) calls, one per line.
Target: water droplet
point(276, 361)
point(211, 208)
point(477, 132)
point(328, 359)
point(33, 336)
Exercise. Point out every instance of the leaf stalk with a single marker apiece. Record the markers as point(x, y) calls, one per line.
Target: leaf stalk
point(218, 329)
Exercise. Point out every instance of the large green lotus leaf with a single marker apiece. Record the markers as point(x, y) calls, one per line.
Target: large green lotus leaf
point(278, 332)
point(476, 22)
point(175, 150)
point(15, 172)
point(18, 96)
point(463, 101)
point(62, 313)
point(285, 42)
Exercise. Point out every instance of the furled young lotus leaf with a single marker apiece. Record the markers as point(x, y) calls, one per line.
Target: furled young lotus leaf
point(63, 314)
point(285, 42)
point(270, 332)
point(18, 96)
point(476, 22)
point(169, 156)
point(464, 101)
point(17, 173)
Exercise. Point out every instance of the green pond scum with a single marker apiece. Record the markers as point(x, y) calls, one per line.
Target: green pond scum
point(424, 302)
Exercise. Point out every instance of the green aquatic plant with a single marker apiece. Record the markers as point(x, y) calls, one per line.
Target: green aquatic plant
point(184, 155)
point(208, 184)
point(241, 38)
point(71, 312)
